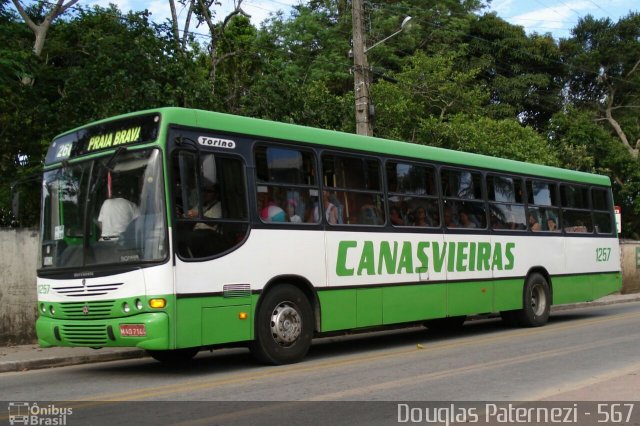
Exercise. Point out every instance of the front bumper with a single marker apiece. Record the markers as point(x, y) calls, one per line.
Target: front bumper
point(105, 332)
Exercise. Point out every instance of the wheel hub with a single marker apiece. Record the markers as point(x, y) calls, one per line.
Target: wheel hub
point(538, 299)
point(286, 324)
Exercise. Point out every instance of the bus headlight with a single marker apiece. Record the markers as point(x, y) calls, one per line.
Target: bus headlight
point(43, 308)
point(52, 310)
point(125, 308)
point(139, 304)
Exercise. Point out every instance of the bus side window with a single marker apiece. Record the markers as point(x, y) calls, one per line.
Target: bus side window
point(353, 191)
point(543, 212)
point(413, 195)
point(463, 203)
point(576, 213)
point(287, 188)
point(210, 203)
point(506, 203)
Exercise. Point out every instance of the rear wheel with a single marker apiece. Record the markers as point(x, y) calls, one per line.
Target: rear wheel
point(174, 356)
point(284, 326)
point(536, 302)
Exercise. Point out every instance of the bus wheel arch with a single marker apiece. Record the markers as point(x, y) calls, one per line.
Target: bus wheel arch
point(536, 299)
point(301, 283)
point(284, 325)
point(542, 271)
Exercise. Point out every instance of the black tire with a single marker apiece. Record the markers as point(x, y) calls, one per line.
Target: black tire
point(174, 357)
point(283, 326)
point(536, 302)
point(446, 325)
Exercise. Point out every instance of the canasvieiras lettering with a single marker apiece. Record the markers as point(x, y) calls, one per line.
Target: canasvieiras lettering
point(406, 257)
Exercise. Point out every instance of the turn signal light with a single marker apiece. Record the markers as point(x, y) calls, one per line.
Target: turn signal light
point(157, 303)
point(243, 315)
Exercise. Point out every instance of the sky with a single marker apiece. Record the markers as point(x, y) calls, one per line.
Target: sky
point(558, 17)
point(542, 16)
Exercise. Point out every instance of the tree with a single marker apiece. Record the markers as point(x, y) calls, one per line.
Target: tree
point(181, 42)
point(304, 66)
point(99, 63)
point(585, 144)
point(524, 74)
point(205, 14)
point(605, 73)
point(40, 29)
point(428, 86)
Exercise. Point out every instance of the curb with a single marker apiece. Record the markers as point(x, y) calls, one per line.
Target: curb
point(63, 361)
point(594, 303)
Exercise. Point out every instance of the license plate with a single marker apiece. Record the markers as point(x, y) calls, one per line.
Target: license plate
point(132, 330)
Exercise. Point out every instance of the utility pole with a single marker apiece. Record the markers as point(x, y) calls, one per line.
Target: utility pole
point(360, 71)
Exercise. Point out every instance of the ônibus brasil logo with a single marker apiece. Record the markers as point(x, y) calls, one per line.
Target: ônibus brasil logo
point(26, 413)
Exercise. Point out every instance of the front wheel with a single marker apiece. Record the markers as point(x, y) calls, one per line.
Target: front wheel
point(284, 326)
point(536, 303)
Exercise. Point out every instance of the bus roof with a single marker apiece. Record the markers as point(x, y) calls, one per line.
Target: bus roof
point(290, 132)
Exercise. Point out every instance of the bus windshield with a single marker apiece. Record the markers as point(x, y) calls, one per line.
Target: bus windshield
point(109, 210)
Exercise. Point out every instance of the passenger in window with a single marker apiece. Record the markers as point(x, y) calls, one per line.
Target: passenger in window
point(421, 218)
point(533, 223)
point(395, 216)
point(312, 214)
point(449, 220)
point(269, 210)
point(580, 226)
point(496, 222)
point(291, 212)
point(465, 219)
point(115, 215)
point(551, 224)
point(331, 209)
point(210, 204)
point(370, 215)
point(211, 207)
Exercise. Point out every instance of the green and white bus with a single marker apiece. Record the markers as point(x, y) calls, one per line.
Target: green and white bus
point(174, 230)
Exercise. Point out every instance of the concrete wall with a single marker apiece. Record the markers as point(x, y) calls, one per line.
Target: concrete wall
point(630, 253)
point(18, 259)
point(18, 300)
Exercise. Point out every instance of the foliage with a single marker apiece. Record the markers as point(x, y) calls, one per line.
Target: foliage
point(584, 144)
point(428, 86)
point(499, 138)
point(604, 59)
point(522, 73)
point(456, 77)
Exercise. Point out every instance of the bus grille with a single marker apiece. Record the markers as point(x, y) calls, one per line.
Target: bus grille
point(87, 289)
point(87, 310)
point(85, 334)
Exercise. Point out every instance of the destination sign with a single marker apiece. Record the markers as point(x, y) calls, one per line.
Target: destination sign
point(112, 134)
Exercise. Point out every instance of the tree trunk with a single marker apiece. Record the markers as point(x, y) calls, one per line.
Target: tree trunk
point(40, 30)
point(616, 126)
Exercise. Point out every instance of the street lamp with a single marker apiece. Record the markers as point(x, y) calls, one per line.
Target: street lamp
point(404, 23)
point(361, 68)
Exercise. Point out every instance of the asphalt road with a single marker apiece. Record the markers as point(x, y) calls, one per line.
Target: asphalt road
point(582, 354)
